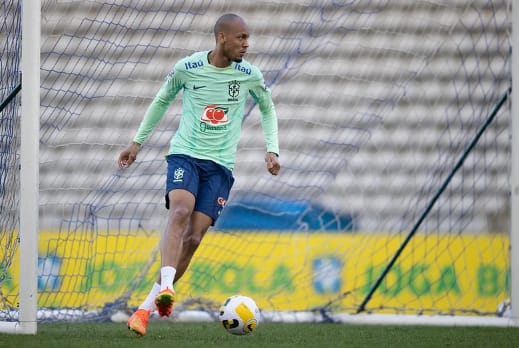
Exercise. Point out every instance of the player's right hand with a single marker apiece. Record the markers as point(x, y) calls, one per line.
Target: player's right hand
point(129, 155)
point(272, 161)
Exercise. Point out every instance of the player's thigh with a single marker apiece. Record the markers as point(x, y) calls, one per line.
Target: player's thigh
point(182, 178)
point(213, 191)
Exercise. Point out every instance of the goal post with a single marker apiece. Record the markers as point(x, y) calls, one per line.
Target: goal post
point(30, 164)
point(26, 322)
point(514, 184)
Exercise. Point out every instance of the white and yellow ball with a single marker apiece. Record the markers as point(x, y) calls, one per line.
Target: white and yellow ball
point(239, 315)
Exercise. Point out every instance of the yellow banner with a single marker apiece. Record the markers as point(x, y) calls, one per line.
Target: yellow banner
point(282, 271)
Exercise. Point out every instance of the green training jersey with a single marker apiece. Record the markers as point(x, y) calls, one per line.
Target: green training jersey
point(213, 108)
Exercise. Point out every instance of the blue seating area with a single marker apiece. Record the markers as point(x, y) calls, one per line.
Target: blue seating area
point(278, 215)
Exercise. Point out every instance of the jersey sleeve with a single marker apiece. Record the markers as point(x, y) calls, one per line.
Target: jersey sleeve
point(262, 96)
point(173, 83)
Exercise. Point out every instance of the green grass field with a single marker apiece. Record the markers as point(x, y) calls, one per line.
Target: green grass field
point(173, 334)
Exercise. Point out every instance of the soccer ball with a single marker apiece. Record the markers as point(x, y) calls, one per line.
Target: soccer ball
point(239, 315)
point(504, 309)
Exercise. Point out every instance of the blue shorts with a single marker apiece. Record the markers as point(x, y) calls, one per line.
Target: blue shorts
point(208, 181)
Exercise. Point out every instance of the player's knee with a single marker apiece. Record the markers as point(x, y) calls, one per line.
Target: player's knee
point(180, 214)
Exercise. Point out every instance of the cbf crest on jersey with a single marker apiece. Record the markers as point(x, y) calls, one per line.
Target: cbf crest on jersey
point(234, 90)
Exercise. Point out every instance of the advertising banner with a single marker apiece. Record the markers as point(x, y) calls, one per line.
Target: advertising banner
point(282, 271)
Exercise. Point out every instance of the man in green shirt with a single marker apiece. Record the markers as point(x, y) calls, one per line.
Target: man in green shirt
point(215, 85)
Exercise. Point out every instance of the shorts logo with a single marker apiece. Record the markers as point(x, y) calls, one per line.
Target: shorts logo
point(178, 175)
point(221, 201)
point(215, 114)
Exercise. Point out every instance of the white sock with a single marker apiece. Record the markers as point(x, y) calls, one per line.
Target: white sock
point(167, 275)
point(149, 302)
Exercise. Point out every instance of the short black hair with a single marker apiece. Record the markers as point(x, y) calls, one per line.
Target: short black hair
point(224, 21)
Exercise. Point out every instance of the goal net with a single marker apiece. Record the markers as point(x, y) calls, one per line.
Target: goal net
point(377, 102)
point(10, 46)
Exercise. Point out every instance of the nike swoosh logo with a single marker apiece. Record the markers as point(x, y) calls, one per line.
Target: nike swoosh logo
point(197, 87)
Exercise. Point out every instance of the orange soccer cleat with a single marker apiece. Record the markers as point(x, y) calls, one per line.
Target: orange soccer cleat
point(139, 321)
point(164, 302)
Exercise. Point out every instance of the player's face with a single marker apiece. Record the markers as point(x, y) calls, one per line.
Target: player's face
point(236, 41)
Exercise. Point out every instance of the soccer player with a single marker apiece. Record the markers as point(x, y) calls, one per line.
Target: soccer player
point(215, 85)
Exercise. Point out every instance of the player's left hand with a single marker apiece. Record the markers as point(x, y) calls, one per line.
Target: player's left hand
point(272, 161)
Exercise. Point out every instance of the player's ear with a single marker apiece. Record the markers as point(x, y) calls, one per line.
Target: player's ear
point(220, 37)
